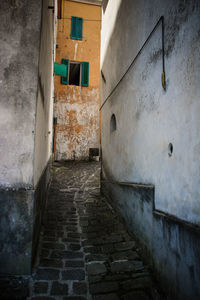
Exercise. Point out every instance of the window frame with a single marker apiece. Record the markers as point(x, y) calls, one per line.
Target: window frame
point(82, 83)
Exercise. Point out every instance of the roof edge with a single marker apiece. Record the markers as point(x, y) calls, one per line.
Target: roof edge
point(92, 2)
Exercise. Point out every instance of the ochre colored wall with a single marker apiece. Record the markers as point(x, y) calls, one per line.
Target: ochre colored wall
point(77, 107)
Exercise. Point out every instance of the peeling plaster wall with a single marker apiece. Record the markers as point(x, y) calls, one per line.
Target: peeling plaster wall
point(77, 108)
point(78, 123)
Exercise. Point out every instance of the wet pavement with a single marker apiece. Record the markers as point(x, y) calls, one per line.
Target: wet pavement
point(85, 251)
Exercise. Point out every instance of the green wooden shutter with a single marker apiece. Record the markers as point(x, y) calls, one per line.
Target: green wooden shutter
point(65, 80)
point(60, 69)
point(76, 28)
point(79, 28)
point(73, 27)
point(85, 74)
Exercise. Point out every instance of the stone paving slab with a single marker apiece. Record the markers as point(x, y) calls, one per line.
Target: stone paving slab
point(85, 251)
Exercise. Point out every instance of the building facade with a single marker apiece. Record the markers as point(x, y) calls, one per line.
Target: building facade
point(150, 131)
point(76, 107)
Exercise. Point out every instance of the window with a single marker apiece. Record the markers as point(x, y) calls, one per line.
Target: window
point(59, 5)
point(76, 28)
point(74, 73)
point(77, 73)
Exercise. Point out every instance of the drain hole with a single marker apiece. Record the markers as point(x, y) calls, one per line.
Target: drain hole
point(170, 149)
point(113, 123)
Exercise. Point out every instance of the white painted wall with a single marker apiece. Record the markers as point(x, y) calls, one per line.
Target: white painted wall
point(148, 118)
point(44, 113)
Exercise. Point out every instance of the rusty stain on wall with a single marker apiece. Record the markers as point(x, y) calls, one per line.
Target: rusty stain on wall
point(77, 108)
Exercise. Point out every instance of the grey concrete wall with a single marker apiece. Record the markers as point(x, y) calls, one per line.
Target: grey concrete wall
point(148, 119)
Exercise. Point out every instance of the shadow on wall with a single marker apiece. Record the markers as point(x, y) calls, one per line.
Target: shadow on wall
point(105, 3)
point(171, 246)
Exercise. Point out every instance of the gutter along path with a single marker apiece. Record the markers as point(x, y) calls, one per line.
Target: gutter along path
point(85, 251)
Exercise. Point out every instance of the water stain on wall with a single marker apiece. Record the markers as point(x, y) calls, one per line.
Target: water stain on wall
point(77, 116)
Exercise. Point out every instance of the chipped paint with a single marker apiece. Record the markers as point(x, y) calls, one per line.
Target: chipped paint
point(77, 123)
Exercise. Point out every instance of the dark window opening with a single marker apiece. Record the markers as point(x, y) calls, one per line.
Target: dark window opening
point(74, 74)
point(59, 4)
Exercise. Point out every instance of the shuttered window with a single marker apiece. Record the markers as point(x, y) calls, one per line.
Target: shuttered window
point(76, 28)
point(65, 80)
point(85, 73)
point(75, 75)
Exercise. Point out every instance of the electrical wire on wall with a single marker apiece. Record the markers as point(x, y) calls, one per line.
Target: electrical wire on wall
point(69, 18)
point(163, 80)
point(84, 19)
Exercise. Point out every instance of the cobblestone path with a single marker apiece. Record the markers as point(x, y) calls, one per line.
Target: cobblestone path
point(85, 251)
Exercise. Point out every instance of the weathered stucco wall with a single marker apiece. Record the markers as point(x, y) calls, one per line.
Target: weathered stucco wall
point(19, 53)
point(77, 108)
point(26, 117)
point(20, 40)
point(148, 119)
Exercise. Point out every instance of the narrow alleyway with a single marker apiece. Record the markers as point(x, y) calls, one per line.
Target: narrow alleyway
point(85, 251)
